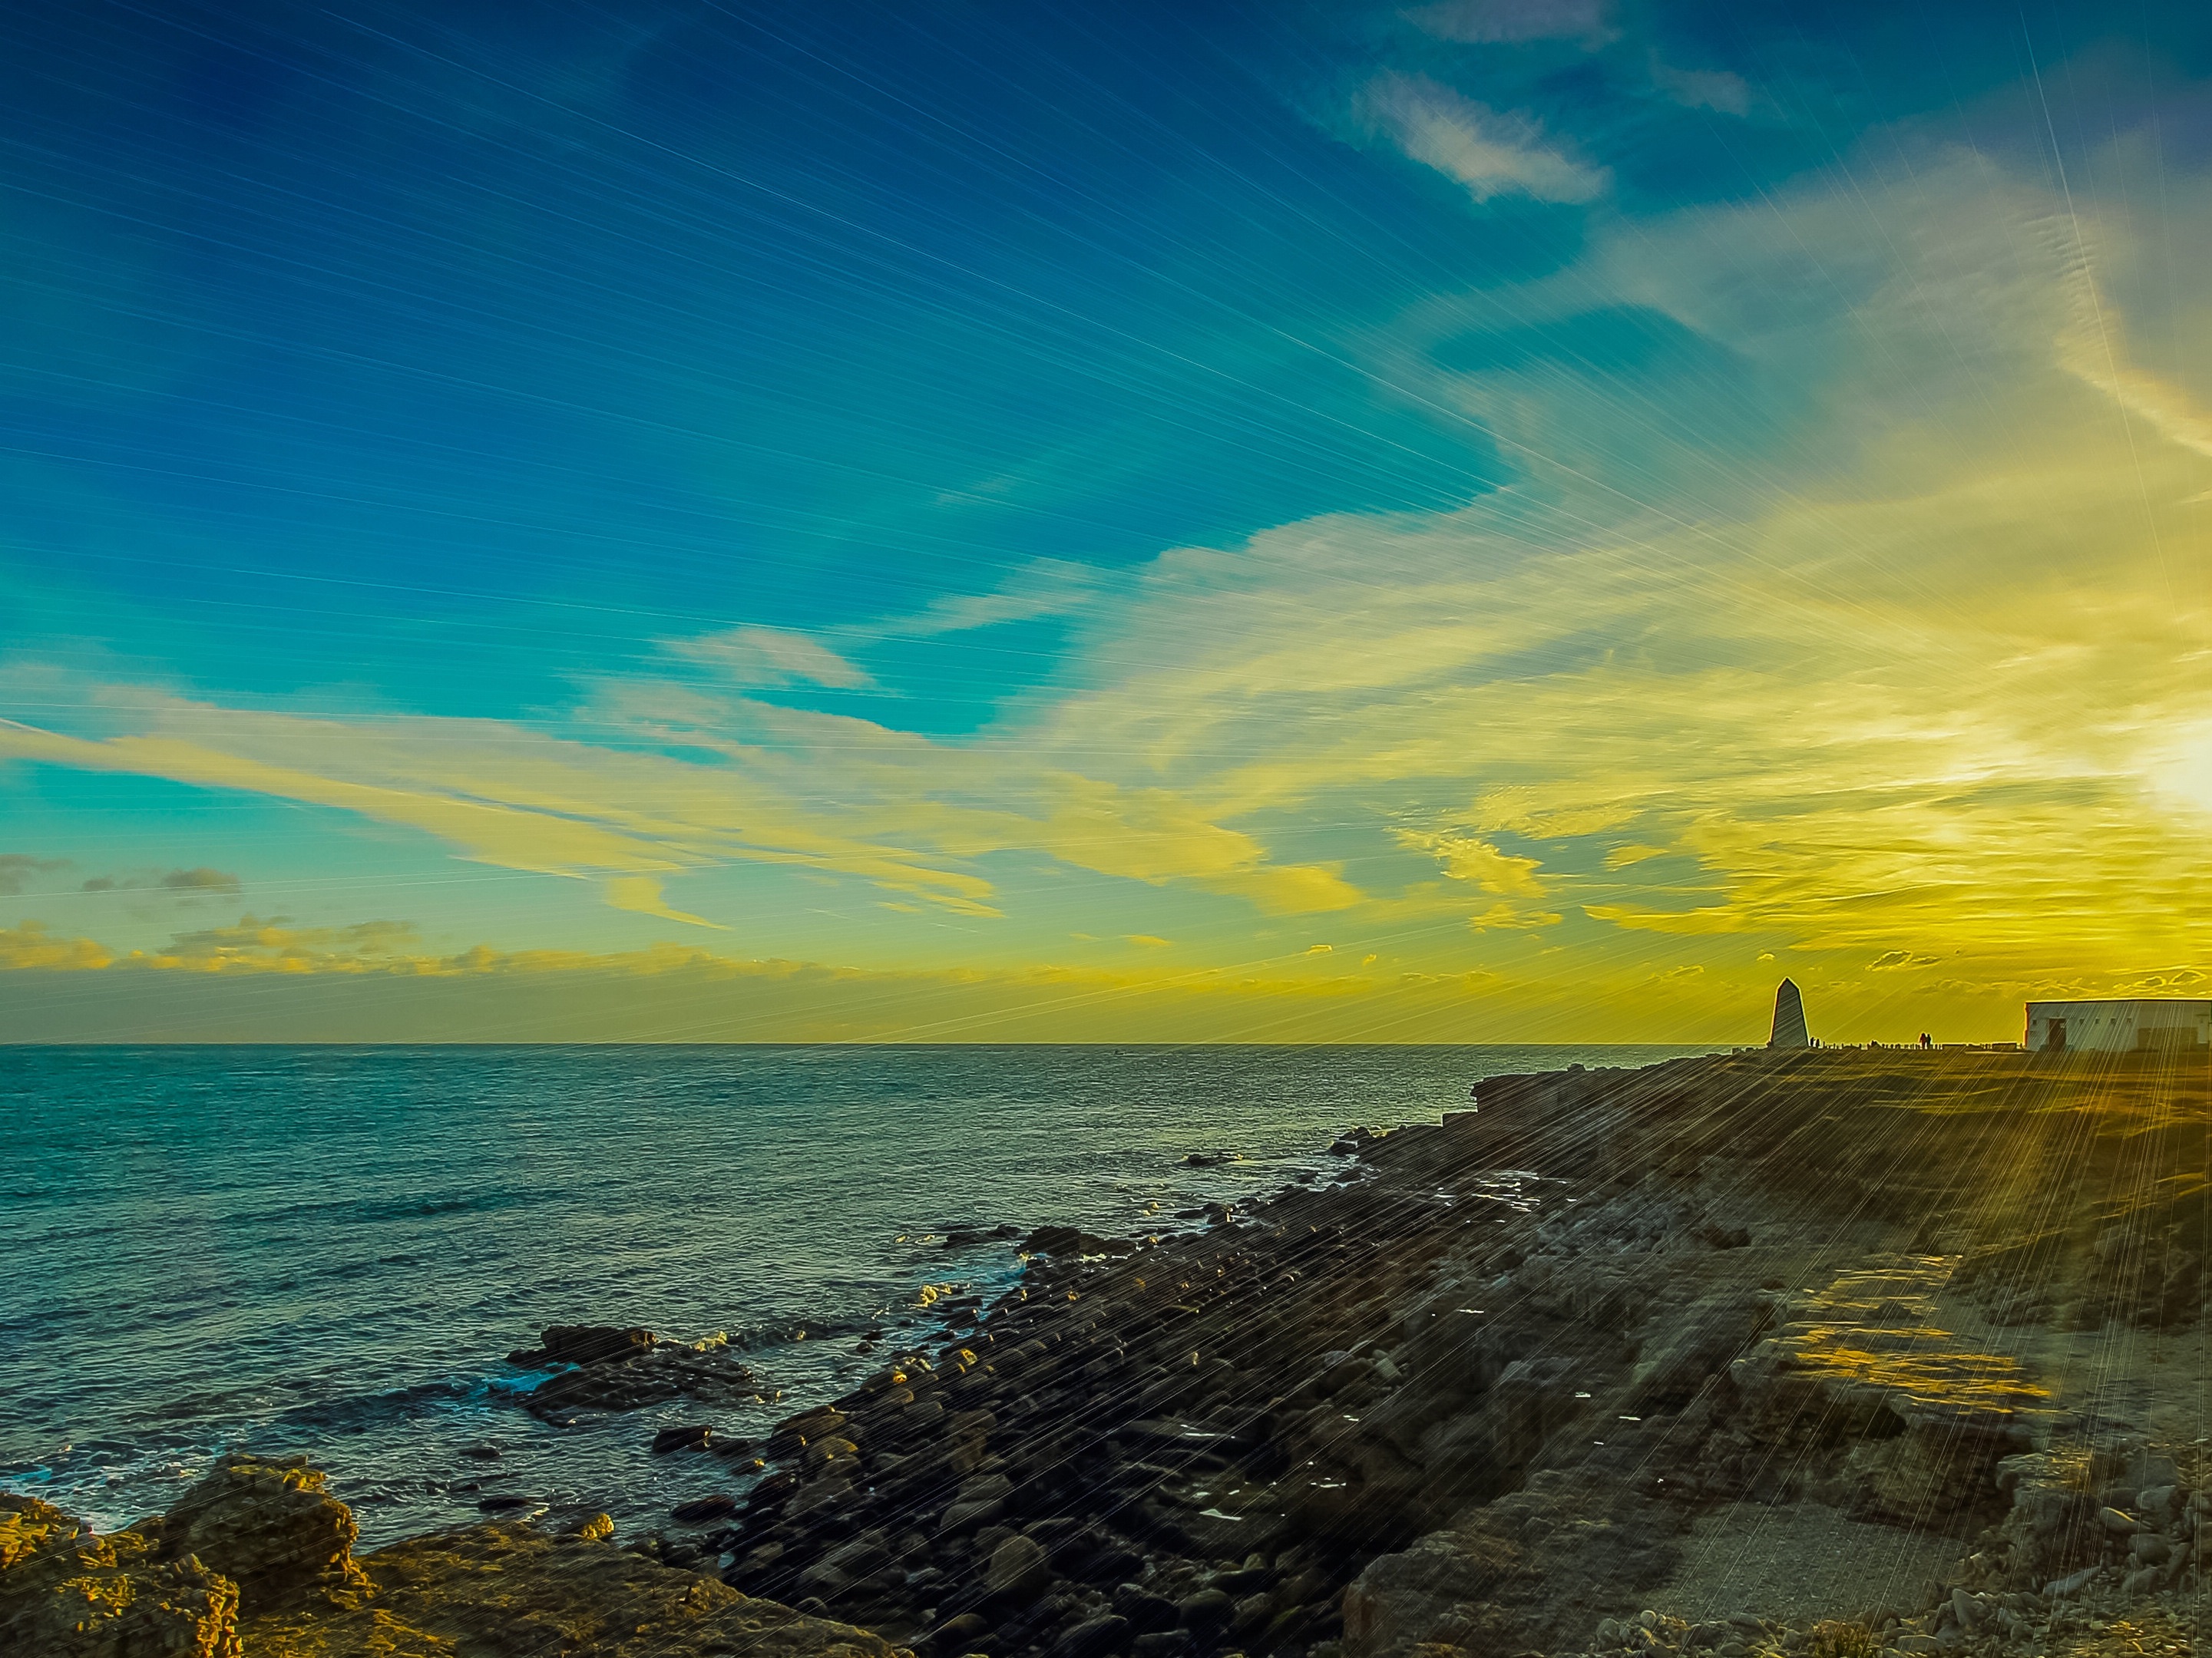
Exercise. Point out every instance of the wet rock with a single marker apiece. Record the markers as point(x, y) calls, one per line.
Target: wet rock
point(690, 1436)
point(960, 1634)
point(700, 1509)
point(968, 1237)
point(1017, 1571)
point(1068, 1240)
point(1252, 1613)
point(626, 1376)
point(1093, 1637)
point(1207, 1611)
point(584, 1344)
point(1144, 1611)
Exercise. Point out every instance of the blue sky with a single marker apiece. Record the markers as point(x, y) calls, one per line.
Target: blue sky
point(1432, 508)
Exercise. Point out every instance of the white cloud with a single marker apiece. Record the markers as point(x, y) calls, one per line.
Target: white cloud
point(1043, 587)
point(772, 656)
point(1485, 22)
point(1702, 88)
point(1493, 154)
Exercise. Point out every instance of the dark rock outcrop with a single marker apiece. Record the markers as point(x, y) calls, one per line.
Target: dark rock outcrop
point(617, 1369)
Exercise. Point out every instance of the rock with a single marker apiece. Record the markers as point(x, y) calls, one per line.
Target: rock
point(65, 1595)
point(1210, 1159)
point(967, 1516)
point(846, 1566)
point(2072, 1583)
point(267, 1524)
point(959, 1635)
point(702, 1508)
point(1144, 1611)
point(1207, 1611)
point(510, 1588)
point(1018, 1570)
point(833, 1447)
point(483, 1592)
point(691, 1436)
point(1252, 1613)
point(1068, 1240)
point(2150, 1550)
point(647, 1372)
point(2119, 1524)
point(1093, 1638)
point(2145, 1581)
point(792, 1436)
point(586, 1344)
point(29, 1525)
point(481, 1453)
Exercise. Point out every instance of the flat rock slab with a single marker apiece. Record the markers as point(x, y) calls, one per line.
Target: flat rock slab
point(1800, 1560)
point(492, 1591)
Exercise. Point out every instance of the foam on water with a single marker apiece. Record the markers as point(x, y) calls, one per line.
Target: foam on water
point(331, 1250)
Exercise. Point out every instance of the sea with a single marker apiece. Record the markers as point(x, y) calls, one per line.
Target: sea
point(330, 1251)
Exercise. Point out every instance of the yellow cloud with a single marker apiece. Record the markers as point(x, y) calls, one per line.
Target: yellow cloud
point(1467, 858)
point(31, 945)
point(642, 893)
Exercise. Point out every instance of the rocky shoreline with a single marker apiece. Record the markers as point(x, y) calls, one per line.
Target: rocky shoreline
point(1842, 1353)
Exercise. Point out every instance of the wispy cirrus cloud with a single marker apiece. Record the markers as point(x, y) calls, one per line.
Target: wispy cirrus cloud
point(1717, 89)
point(768, 656)
point(1491, 153)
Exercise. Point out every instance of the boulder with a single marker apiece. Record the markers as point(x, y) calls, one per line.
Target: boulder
point(1144, 1611)
point(268, 1525)
point(620, 1372)
point(701, 1509)
point(585, 1343)
point(1095, 1637)
point(1068, 1240)
point(1017, 1571)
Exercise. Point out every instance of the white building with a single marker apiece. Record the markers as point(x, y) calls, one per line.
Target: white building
point(2118, 1027)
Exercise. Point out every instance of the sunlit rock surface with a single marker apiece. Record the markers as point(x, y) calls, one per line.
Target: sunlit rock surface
point(170, 1587)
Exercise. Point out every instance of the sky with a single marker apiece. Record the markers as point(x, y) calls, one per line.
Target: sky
point(1486, 520)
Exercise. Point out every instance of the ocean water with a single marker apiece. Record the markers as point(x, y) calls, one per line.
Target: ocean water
point(331, 1250)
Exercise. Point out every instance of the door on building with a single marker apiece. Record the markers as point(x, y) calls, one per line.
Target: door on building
point(2054, 1037)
